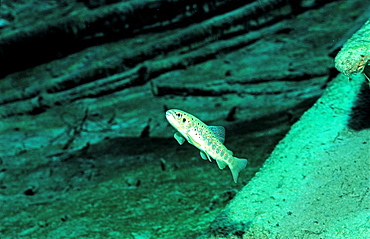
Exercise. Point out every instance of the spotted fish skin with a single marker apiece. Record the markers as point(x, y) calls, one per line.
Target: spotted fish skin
point(208, 139)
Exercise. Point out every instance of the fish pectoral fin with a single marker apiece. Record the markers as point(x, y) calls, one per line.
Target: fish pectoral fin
point(179, 138)
point(221, 164)
point(219, 132)
point(205, 156)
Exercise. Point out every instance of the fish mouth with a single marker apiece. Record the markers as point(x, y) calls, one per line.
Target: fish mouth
point(169, 112)
point(169, 115)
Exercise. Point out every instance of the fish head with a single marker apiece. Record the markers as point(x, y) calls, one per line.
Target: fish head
point(179, 119)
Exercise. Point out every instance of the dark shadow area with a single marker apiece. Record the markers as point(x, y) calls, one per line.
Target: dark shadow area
point(281, 119)
point(223, 227)
point(360, 115)
point(113, 157)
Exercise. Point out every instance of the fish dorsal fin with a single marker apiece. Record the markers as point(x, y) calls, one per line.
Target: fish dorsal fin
point(179, 138)
point(219, 131)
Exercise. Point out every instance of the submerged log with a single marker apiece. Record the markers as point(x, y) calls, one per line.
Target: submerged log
point(243, 52)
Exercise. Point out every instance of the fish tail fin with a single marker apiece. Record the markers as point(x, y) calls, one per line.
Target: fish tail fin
point(237, 166)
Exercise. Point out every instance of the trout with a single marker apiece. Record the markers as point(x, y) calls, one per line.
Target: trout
point(208, 139)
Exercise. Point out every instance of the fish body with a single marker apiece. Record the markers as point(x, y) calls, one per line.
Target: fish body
point(208, 139)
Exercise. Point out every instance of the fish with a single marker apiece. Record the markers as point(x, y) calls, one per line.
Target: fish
point(208, 139)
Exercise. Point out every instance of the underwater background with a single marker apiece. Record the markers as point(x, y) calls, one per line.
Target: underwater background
point(87, 152)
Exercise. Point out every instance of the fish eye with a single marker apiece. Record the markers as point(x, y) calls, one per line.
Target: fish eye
point(178, 115)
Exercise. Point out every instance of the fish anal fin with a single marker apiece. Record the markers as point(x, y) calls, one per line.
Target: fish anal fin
point(221, 164)
point(219, 132)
